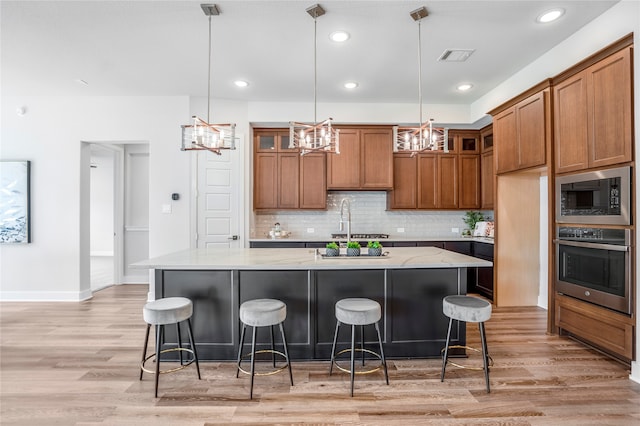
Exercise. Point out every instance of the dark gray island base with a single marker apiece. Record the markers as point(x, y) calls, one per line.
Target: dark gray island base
point(412, 326)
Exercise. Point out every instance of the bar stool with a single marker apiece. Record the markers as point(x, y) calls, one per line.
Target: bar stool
point(358, 311)
point(263, 313)
point(467, 309)
point(170, 310)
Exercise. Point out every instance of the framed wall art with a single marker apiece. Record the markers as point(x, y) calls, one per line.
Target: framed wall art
point(15, 215)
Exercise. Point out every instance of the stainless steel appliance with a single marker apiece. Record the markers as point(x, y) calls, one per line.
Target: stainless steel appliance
point(594, 264)
point(599, 197)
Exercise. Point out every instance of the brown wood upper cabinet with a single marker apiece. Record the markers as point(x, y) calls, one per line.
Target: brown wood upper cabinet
point(437, 180)
point(521, 133)
point(486, 168)
point(282, 178)
point(592, 115)
point(365, 161)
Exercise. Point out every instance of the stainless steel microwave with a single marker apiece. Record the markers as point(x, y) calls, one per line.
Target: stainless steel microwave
point(600, 197)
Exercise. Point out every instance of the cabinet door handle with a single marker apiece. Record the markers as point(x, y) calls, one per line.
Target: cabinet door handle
point(233, 237)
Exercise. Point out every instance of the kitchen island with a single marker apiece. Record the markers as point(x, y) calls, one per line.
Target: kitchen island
point(408, 282)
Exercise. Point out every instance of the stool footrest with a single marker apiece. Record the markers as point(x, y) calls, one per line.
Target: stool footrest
point(347, 370)
point(169, 370)
point(268, 373)
point(467, 367)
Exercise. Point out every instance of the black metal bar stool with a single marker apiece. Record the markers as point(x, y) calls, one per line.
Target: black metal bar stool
point(263, 313)
point(353, 312)
point(467, 309)
point(170, 310)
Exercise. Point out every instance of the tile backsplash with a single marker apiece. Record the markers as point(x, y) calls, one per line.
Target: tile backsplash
point(368, 215)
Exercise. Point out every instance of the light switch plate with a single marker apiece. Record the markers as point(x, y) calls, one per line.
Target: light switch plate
point(400, 229)
point(166, 208)
point(455, 230)
point(310, 230)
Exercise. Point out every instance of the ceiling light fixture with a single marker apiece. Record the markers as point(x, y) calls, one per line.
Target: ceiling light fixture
point(316, 136)
point(351, 85)
point(550, 15)
point(464, 87)
point(241, 83)
point(425, 136)
point(202, 135)
point(339, 36)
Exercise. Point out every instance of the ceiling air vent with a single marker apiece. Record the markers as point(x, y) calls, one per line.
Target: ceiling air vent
point(456, 55)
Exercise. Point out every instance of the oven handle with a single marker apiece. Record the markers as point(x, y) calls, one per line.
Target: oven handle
point(591, 245)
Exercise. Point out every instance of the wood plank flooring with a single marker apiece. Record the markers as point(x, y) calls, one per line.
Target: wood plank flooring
point(77, 364)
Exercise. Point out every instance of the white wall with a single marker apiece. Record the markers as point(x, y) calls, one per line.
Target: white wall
point(613, 24)
point(50, 135)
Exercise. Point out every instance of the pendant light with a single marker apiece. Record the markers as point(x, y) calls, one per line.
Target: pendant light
point(314, 137)
point(202, 135)
point(425, 136)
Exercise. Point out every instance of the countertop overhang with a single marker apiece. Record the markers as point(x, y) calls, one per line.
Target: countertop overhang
point(308, 259)
point(382, 240)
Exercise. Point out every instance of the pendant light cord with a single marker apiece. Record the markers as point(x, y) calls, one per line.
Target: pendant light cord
point(209, 76)
point(420, 78)
point(315, 77)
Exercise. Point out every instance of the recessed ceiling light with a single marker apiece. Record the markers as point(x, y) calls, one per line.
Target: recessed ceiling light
point(464, 87)
point(241, 83)
point(550, 15)
point(339, 36)
point(351, 85)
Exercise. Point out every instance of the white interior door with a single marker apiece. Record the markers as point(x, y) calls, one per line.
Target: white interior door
point(219, 213)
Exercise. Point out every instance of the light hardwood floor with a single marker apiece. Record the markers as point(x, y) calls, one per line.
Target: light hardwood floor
point(77, 364)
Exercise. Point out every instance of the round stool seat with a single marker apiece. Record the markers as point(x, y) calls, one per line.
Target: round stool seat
point(466, 308)
point(358, 311)
point(169, 310)
point(263, 312)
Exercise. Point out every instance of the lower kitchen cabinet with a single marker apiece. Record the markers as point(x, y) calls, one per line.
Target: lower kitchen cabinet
point(484, 276)
point(463, 247)
point(610, 331)
point(277, 244)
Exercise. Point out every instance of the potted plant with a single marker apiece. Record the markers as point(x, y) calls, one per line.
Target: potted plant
point(332, 249)
point(470, 219)
point(375, 248)
point(353, 248)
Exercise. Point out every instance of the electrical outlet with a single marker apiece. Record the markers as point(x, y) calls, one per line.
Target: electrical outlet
point(310, 230)
point(455, 230)
point(400, 230)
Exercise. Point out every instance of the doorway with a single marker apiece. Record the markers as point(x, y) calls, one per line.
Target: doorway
point(118, 213)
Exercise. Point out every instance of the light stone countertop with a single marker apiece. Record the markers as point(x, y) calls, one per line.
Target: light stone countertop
point(305, 258)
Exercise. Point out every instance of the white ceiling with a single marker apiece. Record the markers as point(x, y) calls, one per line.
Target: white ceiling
point(160, 47)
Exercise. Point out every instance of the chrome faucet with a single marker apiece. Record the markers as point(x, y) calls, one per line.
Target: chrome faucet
point(342, 204)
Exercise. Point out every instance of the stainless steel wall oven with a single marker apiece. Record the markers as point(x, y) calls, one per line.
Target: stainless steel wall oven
point(594, 265)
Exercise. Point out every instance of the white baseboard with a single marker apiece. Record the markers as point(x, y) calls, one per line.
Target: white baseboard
point(45, 296)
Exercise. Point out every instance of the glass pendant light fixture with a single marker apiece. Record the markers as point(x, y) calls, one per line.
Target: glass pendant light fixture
point(425, 136)
point(314, 137)
point(202, 135)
